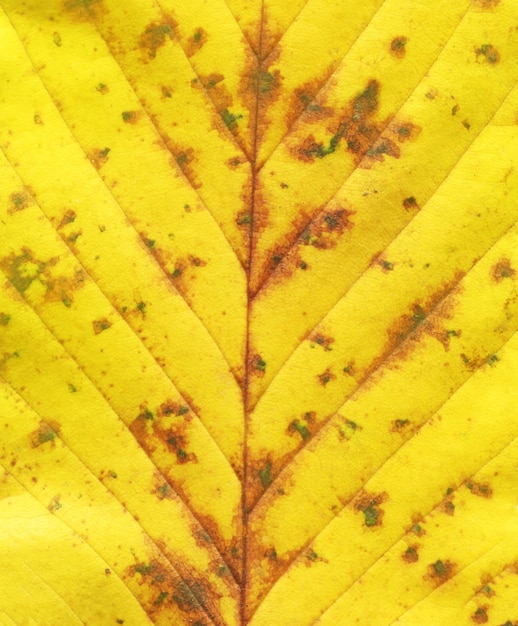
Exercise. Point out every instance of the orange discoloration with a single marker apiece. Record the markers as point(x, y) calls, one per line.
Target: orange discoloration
point(169, 430)
point(326, 377)
point(130, 117)
point(18, 201)
point(185, 159)
point(68, 217)
point(440, 571)
point(235, 162)
point(398, 47)
point(410, 204)
point(81, 9)
point(24, 268)
point(483, 490)
point(260, 475)
point(196, 42)
point(488, 54)
point(447, 506)
point(406, 131)
point(369, 505)
point(401, 426)
point(424, 317)
point(100, 325)
point(503, 270)
point(322, 340)
point(304, 101)
point(99, 157)
point(154, 37)
point(256, 365)
point(357, 130)
point(224, 119)
point(46, 432)
point(411, 555)
point(303, 427)
point(164, 588)
point(260, 87)
point(325, 230)
point(480, 616)
point(485, 4)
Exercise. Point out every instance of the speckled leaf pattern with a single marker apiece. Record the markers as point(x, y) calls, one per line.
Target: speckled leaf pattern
point(259, 312)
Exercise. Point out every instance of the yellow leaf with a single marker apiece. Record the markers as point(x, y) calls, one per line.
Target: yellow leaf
point(259, 312)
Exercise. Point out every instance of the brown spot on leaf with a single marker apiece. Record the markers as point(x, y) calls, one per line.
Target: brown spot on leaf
point(423, 317)
point(301, 427)
point(303, 101)
point(357, 130)
point(322, 340)
point(487, 53)
point(260, 87)
point(369, 505)
point(165, 589)
point(100, 325)
point(417, 528)
point(164, 491)
point(190, 595)
point(166, 91)
point(383, 146)
point(23, 269)
point(80, 9)
point(46, 432)
point(326, 377)
point(400, 425)
point(196, 41)
point(440, 571)
point(406, 131)
point(154, 37)
point(411, 555)
point(398, 47)
point(261, 474)
point(130, 117)
point(410, 204)
point(5, 318)
point(186, 159)
point(485, 5)
point(234, 163)
point(214, 85)
point(19, 200)
point(68, 217)
point(480, 616)
point(482, 490)
point(265, 474)
point(311, 557)
point(325, 230)
point(503, 270)
point(257, 365)
point(99, 157)
point(447, 506)
point(167, 428)
point(195, 261)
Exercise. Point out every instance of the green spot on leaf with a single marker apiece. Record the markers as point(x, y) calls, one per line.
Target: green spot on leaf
point(265, 475)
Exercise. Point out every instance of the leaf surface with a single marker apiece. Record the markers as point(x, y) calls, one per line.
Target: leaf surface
point(258, 313)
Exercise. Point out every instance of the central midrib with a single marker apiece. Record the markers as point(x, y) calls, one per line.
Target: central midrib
point(243, 612)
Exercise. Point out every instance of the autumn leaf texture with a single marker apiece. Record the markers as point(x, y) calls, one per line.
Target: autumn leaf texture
point(259, 312)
